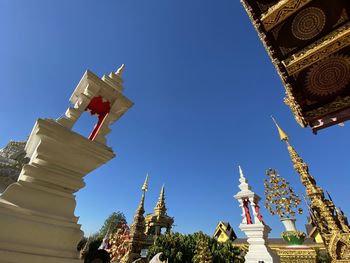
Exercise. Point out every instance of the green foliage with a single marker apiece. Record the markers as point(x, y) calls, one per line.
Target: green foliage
point(94, 241)
point(112, 223)
point(202, 252)
point(179, 248)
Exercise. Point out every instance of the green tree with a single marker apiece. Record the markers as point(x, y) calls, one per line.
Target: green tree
point(179, 248)
point(202, 252)
point(112, 223)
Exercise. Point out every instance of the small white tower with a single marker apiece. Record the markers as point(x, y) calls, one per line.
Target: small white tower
point(252, 224)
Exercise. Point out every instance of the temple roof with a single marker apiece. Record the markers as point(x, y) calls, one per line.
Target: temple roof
point(309, 43)
point(225, 227)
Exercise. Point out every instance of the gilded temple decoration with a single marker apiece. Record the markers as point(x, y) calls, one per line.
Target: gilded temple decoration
point(159, 218)
point(330, 221)
point(309, 44)
point(137, 230)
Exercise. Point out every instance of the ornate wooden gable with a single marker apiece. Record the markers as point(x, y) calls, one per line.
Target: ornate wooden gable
point(309, 43)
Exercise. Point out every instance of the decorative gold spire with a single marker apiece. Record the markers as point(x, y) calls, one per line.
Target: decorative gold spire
point(145, 184)
point(137, 229)
point(160, 208)
point(283, 135)
point(332, 227)
point(159, 218)
point(140, 210)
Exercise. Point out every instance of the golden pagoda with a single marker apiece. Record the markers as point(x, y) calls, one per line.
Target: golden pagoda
point(330, 221)
point(308, 42)
point(159, 218)
point(138, 237)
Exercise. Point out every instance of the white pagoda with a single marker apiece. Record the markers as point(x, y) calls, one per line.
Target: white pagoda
point(252, 225)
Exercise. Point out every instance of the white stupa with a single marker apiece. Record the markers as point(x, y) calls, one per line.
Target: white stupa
point(252, 225)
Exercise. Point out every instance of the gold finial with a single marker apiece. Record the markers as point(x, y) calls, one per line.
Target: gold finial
point(145, 184)
point(160, 206)
point(283, 135)
point(162, 192)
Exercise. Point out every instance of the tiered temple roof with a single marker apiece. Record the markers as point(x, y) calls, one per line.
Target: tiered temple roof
point(309, 43)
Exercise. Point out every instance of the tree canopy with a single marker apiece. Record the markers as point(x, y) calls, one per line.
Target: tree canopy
point(179, 248)
point(112, 223)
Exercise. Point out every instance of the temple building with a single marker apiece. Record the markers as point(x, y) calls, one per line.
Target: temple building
point(308, 41)
point(224, 232)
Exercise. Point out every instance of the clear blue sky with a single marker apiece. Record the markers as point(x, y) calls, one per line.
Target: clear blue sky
point(203, 88)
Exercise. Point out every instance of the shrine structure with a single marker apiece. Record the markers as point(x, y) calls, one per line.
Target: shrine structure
point(144, 229)
point(159, 218)
point(37, 221)
point(330, 221)
point(308, 41)
point(253, 226)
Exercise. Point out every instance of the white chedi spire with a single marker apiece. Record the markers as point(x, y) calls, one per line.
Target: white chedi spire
point(244, 186)
point(114, 79)
point(120, 71)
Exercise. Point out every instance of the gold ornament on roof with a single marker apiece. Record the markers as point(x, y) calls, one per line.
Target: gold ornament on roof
point(331, 222)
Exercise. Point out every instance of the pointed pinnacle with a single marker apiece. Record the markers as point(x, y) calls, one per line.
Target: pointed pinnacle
point(162, 192)
point(120, 70)
point(283, 135)
point(241, 175)
point(160, 206)
point(145, 184)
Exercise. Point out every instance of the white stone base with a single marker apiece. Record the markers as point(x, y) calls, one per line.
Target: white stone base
point(16, 257)
point(37, 221)
point(258, 250)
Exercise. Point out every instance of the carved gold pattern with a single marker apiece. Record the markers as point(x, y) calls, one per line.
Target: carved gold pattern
point(289, 98)
point(308, 23)
point(336, 237)
point(290, 101)
point(326, 46)
point(281, 11)
point(297, 255)
point(337, 104)
point(328, 76)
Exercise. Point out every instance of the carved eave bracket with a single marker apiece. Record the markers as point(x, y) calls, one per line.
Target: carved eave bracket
point(281, 11)
point(316, 99)
point(321, 49)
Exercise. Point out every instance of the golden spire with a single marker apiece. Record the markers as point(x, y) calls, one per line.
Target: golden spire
point(283, 135)
point(145, 184)
point(140, 209)
point(330, 226)
point(160, 208)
